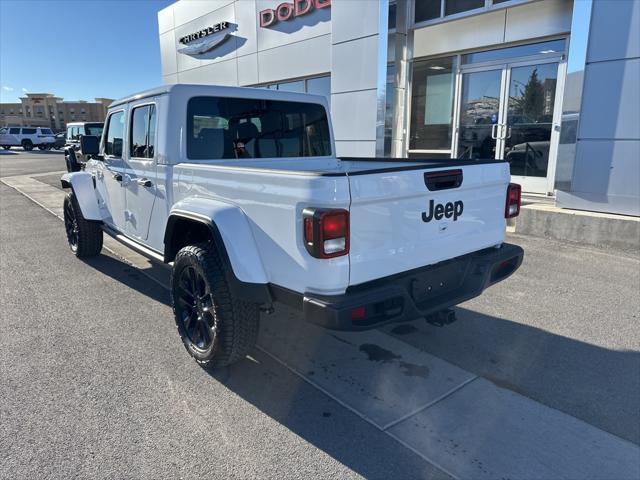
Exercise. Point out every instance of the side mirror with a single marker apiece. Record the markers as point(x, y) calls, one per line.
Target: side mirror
point(89, 145)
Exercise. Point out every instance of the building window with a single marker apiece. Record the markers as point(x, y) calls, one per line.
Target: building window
point(389, 109)
point(429, 10)
point(393, 8)
point(451, 7)
point(72, 110)
point(82, 110)
point(314, 85)
point(320, 86)
point(432, 104)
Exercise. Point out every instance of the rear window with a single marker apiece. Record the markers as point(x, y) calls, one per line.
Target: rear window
point(228, 128)
point(28, 131)
point(93, 129)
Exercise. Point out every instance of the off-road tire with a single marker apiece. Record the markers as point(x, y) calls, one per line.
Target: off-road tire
point(235, 322)
point(27, 145)
point(86, 241)
point(6, 147)
point(42, 147)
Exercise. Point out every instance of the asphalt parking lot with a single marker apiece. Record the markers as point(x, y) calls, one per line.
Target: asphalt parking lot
point(94, 380)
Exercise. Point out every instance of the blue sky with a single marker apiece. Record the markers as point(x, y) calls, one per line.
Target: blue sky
point(79, 49)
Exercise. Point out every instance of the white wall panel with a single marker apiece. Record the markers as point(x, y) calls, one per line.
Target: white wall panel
point(355, 149)
point(354, 115)
point(610, 106)
point(313, 24)
point(188, 10)
point(248, 70)
point(352, 62)
point(354, 19)
point(471, 32)
point(246, 19)
point(606, 163)
point(221, 73)
point(538, 19)
point(309, 57)
point(168, 53)
point(615, 30)
point(171, 78)
point(165, 19)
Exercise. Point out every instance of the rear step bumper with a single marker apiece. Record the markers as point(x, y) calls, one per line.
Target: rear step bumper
point(408, 295)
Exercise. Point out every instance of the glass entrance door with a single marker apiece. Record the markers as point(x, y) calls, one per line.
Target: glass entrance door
point(529, 123)
point(508, 112)
point(480, 100)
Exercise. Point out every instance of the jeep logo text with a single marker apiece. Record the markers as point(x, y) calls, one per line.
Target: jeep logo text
point(448, 210)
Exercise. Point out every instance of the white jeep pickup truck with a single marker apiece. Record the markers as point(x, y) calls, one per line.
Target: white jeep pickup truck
point(240, 192)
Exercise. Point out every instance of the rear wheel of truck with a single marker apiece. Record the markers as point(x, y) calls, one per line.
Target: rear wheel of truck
point(27, 145)
point(216, 328)
point(84, 236)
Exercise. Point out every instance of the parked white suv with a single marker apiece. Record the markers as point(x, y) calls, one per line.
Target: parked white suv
point(27, 138)
point(240, 191)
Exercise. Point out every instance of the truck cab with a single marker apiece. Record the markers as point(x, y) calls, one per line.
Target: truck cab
point(241, 193)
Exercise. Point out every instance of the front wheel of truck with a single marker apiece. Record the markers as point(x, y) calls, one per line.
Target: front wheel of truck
point(84, 236)
point(216, 328)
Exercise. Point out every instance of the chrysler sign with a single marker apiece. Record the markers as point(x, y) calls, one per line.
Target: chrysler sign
point(286, 11)
point(204, 40)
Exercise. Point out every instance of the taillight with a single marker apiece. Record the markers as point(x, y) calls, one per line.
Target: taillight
point(512, 207)
point(326, 232)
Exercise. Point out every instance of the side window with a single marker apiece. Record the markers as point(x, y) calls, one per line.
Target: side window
point(115, 135)
point(69, 133)
point(28, 131)
point(14, 131)
point(143, 130)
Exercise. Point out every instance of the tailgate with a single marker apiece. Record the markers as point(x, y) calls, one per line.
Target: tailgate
point(398, 223)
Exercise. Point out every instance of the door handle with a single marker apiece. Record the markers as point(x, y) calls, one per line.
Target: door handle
point(145, 182)
point(493, 131)
point(508, 133)
point(117, 177)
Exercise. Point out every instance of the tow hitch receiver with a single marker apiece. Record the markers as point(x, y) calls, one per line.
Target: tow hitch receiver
point(442, 318)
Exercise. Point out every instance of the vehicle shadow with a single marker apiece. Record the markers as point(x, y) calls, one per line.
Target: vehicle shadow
point(595, 384)
point(292, 402)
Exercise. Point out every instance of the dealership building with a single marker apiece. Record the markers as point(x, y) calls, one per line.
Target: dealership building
point(551, 86)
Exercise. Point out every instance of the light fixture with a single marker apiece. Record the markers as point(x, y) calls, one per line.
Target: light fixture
point(436, 67)
point(547, 51)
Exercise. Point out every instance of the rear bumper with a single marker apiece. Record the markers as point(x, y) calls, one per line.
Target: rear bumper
point(408, 295)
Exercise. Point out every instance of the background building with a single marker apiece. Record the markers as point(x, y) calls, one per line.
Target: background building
point(548, 85)
point(47, 110)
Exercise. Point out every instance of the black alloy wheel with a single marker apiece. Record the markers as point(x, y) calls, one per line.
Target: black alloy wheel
point(27, 145)
point(195, 309)
point(71, 226)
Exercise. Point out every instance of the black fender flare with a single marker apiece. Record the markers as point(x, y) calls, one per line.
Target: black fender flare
point(252, 292)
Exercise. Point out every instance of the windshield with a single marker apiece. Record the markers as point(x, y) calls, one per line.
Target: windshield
point(93, 129)
point(227, 128)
